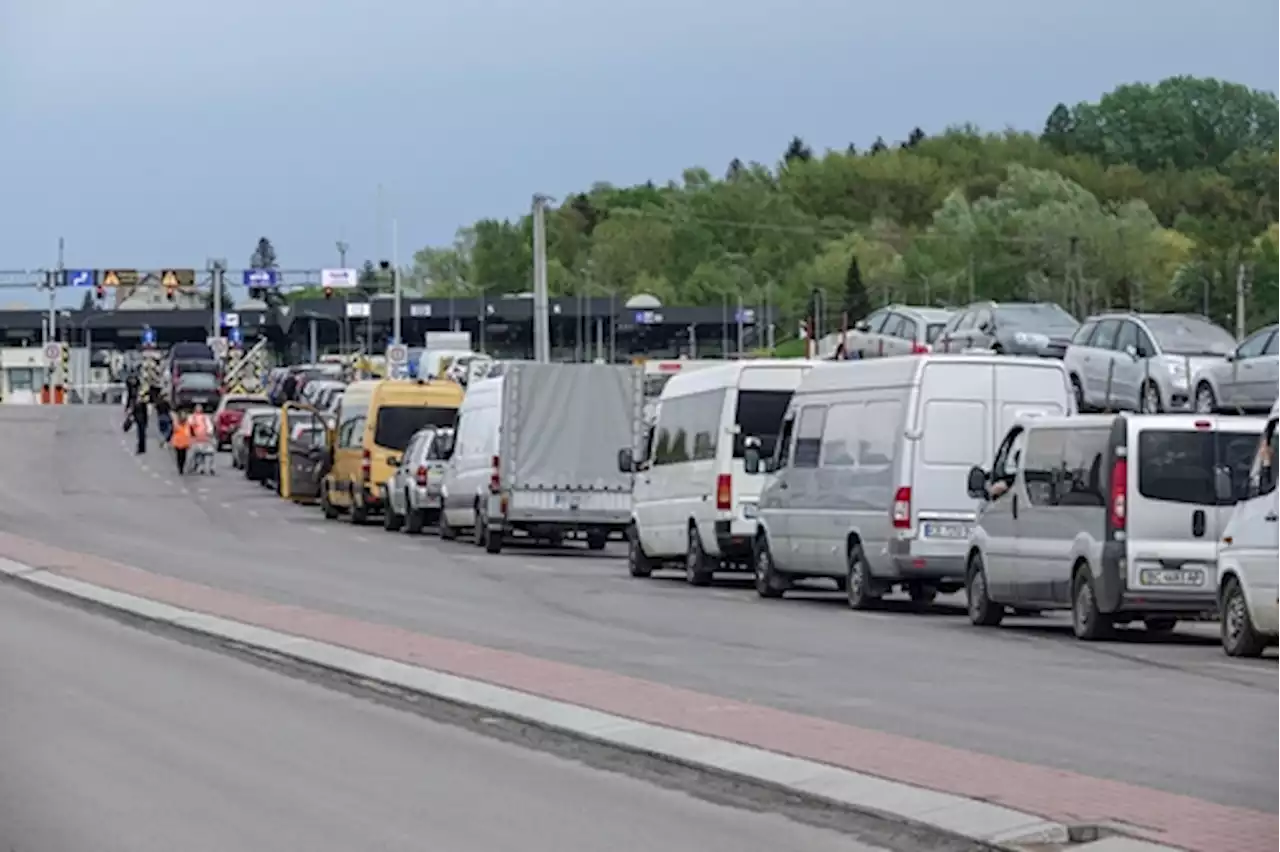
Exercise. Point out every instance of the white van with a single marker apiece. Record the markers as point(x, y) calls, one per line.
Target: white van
point(868, 481)
point(1114, 517)
point(1247, 576)
point(691, 500)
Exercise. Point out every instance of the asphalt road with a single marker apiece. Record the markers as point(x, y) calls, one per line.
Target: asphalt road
point(1174, 715)
point(112, 738)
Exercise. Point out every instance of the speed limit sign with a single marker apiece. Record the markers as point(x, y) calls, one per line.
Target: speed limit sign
point(52, 351)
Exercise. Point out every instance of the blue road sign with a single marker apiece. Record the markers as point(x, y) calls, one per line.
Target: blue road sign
point(746, 316)
point(148, 336)
point(235, 336)
point(261, 277)
point(82, 277)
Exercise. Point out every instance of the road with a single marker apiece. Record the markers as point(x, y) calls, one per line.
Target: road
point(1173, 715)
point(113, 738)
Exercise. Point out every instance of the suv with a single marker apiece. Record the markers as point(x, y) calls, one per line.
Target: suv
point(1142, 362)
point(1009, 328)
point(1115, 517)
point(896, 330)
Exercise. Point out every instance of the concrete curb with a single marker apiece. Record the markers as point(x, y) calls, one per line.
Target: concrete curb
point(992, 825)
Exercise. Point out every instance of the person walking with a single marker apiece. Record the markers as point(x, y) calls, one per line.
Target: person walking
point(164, 417)
point(131, 385)
point(181, 442)
point(201, 440)
point(138, 417)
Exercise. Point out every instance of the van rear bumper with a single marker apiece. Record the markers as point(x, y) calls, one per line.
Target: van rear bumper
point(1114, 595)
point(913, 559)
point(734, 540)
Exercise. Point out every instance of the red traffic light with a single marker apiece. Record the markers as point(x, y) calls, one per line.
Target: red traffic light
point(328, 292)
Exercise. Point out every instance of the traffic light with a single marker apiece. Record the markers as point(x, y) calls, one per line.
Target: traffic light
point(328, 292)
point(100, 292)
point(168, 293)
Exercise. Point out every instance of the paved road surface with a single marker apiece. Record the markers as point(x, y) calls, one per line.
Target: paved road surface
point(1174, 715)
point(112, 738)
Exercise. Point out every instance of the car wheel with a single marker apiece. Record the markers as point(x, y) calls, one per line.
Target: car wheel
point(392, 520)
point(983, 612)
point(1206, 401)
point(769, 584)
point(1087, 621)
point(447, 532)
point(1239, 637)
point(359, 512)
point(860, 590)
point(414, 519)
point(697, 567)
point(330, 510)
point(1150, 402)
point(638, 565)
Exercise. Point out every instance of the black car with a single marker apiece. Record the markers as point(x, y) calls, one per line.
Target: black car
point(192, 389)
point(262, 463)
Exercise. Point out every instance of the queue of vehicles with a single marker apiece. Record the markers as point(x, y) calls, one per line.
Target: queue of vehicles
point(923, 473)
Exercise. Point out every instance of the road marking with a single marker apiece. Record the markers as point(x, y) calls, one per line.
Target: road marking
point(225, 505)
point(168, 482)
point(253, 513)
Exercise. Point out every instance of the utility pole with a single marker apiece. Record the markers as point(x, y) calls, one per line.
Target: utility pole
point(1240, 308)
point(541, 314)
point(395, 280)
point(217, 271)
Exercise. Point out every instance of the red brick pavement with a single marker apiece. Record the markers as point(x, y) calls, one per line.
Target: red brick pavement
point(1054, 794)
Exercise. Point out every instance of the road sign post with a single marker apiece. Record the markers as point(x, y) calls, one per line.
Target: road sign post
point(397, 359)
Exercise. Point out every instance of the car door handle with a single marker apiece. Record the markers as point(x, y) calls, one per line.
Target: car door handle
point(1270, 518)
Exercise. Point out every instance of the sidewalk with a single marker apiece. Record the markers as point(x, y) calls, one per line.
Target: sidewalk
point(987, 798)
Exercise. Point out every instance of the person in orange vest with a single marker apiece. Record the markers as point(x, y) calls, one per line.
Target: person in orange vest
point(181, 442)
point(201, 440)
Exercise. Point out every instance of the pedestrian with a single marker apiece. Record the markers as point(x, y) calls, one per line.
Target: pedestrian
point(164, 417)
point(131, 391)
point(181, 442)
point(290, 389)
point(138, 416)
point(201, 440)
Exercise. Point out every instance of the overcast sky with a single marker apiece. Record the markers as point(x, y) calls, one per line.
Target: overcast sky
point(154, 133)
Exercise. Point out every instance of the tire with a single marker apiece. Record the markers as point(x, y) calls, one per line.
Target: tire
point(1206, 401)
point(1149, 402)
point(698, 570)
point(597, 540)
point(1160, 625)
point(447, 533)
point(330, 511)
point(359, 512)
point(1239, 637)
point(1088, 623)
point(983, 612)
point(860, 591)
point(414, 519)
point(922, 594)
point(492, 540)
point(479, 532)
point(769, 583)
point(391, 520)
point(638, 564)
point(1078, 391)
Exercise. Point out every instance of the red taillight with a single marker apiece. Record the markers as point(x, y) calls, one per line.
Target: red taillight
point(724, 492)
point(366, 465)
point(1204, 424)
point(421, 475)
point(902, 508)
point(920, 349)
point(1119, 492)
point(495, 478)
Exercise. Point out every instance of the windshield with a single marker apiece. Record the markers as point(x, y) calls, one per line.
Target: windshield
point(760, 415)
point(197, 381)
point(397, 423)
point(932, 330)
point(1044, 317)
point(197, 367)
point(1177, 465)
point(1179, 335)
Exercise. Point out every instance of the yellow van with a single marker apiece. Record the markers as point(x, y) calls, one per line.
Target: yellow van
point(376, 419)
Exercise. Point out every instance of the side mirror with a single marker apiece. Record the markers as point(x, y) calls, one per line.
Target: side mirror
point(1230, 356)
point(1223, 488)
point(862, 325)
point(1131, 351)
point(987, 327)
point(626, 460)
point(977, 483)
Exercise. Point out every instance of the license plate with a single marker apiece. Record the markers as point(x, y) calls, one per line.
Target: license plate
point(1171, 577)
point(947, 530)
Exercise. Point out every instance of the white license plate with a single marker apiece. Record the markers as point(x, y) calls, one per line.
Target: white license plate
point(1171, 577)
point(947, 530)
point(572, 502)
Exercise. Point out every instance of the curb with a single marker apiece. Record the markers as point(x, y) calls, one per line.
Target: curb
point(988, 825)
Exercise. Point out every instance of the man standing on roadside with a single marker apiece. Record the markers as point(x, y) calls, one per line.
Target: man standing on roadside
point(138, 414)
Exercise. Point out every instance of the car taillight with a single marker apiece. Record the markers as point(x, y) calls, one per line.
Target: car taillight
point(421, 475)
point(366, 465)
point(902, 508)
point(724, 492)
point(1119, 492)
point(495, 479)
point(920, 349)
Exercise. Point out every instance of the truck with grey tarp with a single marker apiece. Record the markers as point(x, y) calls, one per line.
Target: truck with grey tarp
point(535, 453)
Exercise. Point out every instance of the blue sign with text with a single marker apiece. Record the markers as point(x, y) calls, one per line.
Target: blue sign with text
point(148, 336)
point(261, 277)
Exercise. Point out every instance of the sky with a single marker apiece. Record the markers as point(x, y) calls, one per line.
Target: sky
point(152, 133)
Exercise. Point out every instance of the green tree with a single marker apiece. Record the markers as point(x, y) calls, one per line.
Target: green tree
point(857, 304)
point(264, 255)
point(797, 150)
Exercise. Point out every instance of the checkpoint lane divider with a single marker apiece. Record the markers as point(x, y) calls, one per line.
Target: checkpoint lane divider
point(947, 817)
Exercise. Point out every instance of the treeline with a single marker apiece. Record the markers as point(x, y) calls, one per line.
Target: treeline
point(1154, 197)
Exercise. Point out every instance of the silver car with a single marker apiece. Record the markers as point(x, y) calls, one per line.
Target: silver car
point(896, 330)
point(1009, 328)
point(1142, 362)
point(412, 493)
point(1247, 380)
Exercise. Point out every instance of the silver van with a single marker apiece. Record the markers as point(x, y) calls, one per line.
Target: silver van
point(1115, 517)
point(867, 482)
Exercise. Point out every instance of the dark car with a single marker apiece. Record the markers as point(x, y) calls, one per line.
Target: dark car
point(192, 389)
point(1010, 328)
point(262, 463)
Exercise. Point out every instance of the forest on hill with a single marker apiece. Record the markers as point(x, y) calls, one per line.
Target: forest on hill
point(1155, 197)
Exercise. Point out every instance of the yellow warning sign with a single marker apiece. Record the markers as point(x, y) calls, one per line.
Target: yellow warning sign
point(110, 279)
point(119, 278)
point(168, 279)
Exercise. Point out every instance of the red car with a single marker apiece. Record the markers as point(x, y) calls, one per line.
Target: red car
point(229, 413)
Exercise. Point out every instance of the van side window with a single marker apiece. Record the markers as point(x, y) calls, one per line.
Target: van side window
point(840, 435)
point(1262, 479)
point(1081, 476)
point(1042, 461)
point(809, 435)
point(351, 434)
point(782, 452)
point(688, 428)
point(1005, 467)
point(879, 427)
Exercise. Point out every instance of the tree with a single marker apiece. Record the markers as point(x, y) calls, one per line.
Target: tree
point(797, 150)
point(878, 146)
point(88, 303)
point(368, 277)
point(264, 255)
point(914, 138)
point(857, 304)
point(735, 169)
point(1058, 129)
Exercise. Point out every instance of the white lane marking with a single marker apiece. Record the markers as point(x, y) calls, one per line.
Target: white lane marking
point(253, 513)
point(363, 539)
point(168, 482)
point(225, 505)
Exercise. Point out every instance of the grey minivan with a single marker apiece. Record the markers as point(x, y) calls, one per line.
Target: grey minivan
point(1115, 517)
